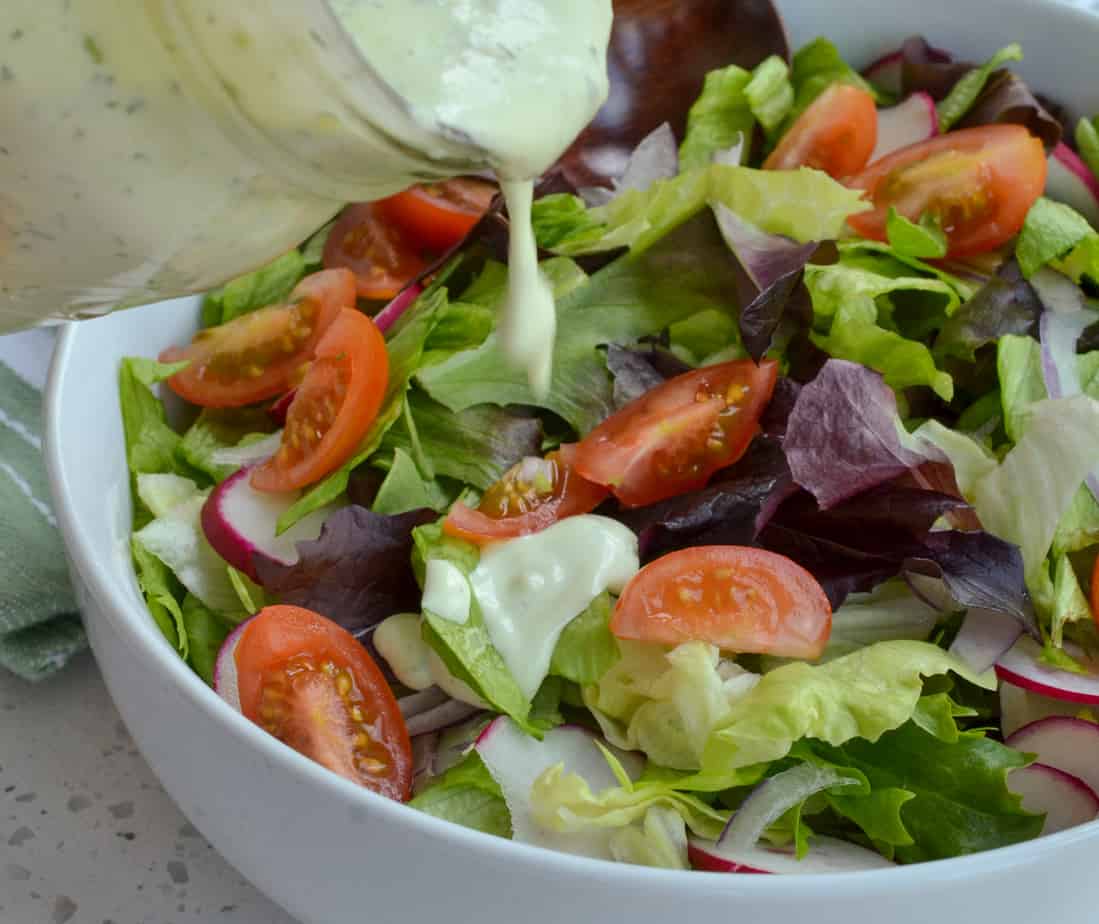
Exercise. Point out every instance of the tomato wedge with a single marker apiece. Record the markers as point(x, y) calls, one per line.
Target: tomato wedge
point(439, 215)
point(383, 257)
point(674, 437)
point(260, 355)
point(333, 407)
point(533, 494)
point(837, 133)
point(737, 598)
point(309, 683)
point(978, 183)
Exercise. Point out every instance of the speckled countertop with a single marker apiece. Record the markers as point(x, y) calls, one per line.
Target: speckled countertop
point(87, 835)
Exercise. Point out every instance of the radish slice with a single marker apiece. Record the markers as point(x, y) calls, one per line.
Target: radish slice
point(1066, 800)
point(826, 855)
point(404, 300)
point(772, 798)
point(984, 638)
point(1019, 707)
point(1021, 666)
point(907, 123)
point(1070, 181)
point(255, 452)
point(1071, 745)
point(225, 668)
point(886, 72)
point(239, 522)
point(515, 760)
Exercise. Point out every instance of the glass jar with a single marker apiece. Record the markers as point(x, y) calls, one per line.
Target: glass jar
point(154, 148)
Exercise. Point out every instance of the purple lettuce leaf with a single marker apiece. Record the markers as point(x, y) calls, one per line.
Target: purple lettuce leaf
point(729, 511)
point(843, 434)
point(655, 158)
point(976, 570)
point(774, 265)
point(1007, 99)
point(927, 69)
point(357, 573)
point(635, 370)
point(1006, 304)
point(776, 416)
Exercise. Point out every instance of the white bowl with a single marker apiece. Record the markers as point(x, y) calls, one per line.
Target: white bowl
point(331, 852)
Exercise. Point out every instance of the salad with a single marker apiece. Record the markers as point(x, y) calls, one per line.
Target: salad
point(791, 569)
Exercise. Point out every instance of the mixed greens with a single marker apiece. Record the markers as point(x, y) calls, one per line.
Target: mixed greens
point(923, 453)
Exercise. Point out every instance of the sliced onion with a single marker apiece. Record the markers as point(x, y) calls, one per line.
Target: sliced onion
point(1065, 319)
point(404, 300)
point(418, 703)
point(985, 636)
point(444, 716)
point(259, 451)
point(773, 798)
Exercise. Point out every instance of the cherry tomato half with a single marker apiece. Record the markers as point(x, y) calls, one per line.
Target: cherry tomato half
point(533, 494)
point(836, 133)
point(737, 598)
point(333, 407)
point(979, 183)
point(437, 216)
point(383, 257)
point(674, 437)
point(309, 683)
point(260, 354)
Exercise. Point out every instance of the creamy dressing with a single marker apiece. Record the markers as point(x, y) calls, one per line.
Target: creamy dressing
point(446, 591)
point(529, 589)
point(399, 639)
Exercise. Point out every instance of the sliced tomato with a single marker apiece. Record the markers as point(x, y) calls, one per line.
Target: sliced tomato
point(978, 183)
point(333, 407)
point(260, 354)
point(534, 494)
point(309, 683)
point(737, 598)
point(437, 216)
point(674, 437)
point(383, 257)
point(837, 133)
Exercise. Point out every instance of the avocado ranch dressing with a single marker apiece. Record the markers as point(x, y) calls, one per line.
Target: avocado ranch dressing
point(160, 147)
point(518, 79)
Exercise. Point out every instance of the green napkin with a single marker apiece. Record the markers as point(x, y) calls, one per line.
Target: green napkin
point(40, 627)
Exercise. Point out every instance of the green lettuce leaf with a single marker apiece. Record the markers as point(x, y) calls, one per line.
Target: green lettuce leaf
point(475, 446)
point(1069, 603)
point(923, 240)
point(1024, 497)
point(405, 489)
point(816, 67)
point(406, 350)
point(163, 593)
point(1019, 366)
point(634, 297)
point(961, 99)
point(861, 695)
point(667, 704)
point(851, 307)
point(659, 840)
point(1087, 143)
point(719, 118)
point(1051, 231)
point(268, 285)
point(206, 630)
point(587, 649)
point(770, 94)
point(804, 204)
point(215, 430)
point(466, 648)
point(466, 794)
point(150, 443)
point(930, 799)
point(890, 612)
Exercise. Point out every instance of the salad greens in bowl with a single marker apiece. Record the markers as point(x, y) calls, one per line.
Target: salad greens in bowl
point(790, 570)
